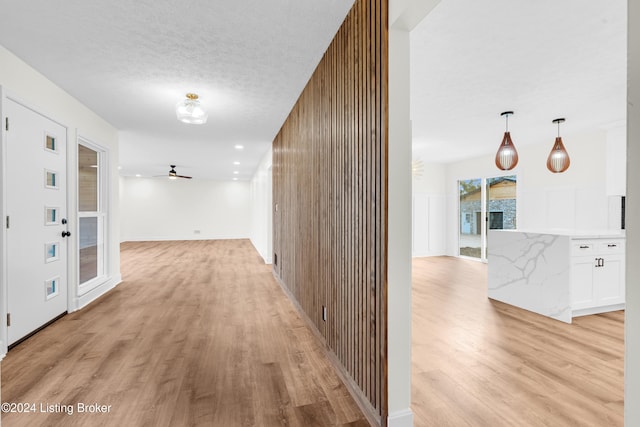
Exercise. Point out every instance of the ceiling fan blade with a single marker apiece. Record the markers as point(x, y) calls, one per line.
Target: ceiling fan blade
point(182, 176)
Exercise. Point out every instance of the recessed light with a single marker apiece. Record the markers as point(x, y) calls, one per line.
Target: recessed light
point(236, 163)
point(119, 167)
point(239, 147)
point(236, 172)
point(235, 179)
point(138, 175)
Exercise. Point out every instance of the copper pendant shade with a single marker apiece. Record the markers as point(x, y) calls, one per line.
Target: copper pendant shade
point(558, 160)
point(507, 155)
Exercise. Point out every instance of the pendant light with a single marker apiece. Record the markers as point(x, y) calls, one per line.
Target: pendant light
point(190, 111)
point(558, 160)
point(507, 156)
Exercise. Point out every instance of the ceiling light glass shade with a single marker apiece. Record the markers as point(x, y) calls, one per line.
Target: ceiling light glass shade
point(558, 160)
point(190, 111)
point(507, 155)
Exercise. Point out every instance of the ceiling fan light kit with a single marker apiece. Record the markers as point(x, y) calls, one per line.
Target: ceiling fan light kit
point(174, 175)
point(189, 110)
point(507, 156)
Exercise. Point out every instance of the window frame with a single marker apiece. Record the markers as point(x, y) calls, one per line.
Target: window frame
point(102, 214)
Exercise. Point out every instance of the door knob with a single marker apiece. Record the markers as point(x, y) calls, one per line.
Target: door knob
point(66, 233)
point(64, 220)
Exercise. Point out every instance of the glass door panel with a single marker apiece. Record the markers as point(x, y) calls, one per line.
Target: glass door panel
point(470, 231)
point(501, 205)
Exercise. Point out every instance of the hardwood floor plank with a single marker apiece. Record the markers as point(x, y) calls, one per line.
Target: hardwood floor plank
point(481, 362)
point(198, 334)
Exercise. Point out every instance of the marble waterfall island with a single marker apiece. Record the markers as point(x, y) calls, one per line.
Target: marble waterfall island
point(556, 274)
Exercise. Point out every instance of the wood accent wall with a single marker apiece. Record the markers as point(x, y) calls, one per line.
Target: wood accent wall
point(329, 195)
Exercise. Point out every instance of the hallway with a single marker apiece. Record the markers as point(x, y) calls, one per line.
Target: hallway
point(198, 334)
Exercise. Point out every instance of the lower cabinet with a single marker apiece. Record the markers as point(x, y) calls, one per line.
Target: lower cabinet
point(597, 279)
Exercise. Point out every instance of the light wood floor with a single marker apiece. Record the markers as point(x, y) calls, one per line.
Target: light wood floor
point(198, 334)
point(482, 363)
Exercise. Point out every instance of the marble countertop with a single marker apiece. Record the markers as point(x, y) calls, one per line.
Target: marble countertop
point(574, 234)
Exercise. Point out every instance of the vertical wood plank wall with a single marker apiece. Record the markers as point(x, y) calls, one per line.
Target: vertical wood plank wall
point(329, 195)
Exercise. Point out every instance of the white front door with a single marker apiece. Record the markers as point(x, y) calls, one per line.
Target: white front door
point(36, 188)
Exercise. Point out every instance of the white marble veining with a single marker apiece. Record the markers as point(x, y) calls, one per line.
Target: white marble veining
point(534, 270)
point(531, 271)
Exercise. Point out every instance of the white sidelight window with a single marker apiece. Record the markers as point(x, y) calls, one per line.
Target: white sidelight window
point(92, 215)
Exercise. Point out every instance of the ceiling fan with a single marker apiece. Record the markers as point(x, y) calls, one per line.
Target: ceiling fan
point(174, 175)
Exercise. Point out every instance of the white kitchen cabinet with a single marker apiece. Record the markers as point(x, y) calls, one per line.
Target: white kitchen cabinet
point(559, 274)
point(597, 276)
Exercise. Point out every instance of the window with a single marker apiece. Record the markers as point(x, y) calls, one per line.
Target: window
point(496, 221)
point(92, 215)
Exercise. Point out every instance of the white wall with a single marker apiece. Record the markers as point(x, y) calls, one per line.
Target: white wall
point(575, 199)
point(261, 209)
point(399, 234)
point(403, 16)
point(22, 82)
point(632, 314)
point(181, 209)
point(429, 219)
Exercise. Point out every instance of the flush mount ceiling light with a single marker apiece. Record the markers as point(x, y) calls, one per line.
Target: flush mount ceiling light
point(507, 156)
point(190, 111)
point(558, 160)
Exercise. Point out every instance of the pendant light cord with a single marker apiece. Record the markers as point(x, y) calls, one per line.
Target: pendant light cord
point(507, 114)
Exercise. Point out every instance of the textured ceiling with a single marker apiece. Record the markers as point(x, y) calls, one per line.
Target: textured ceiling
point(132, 61)
point(472, 60)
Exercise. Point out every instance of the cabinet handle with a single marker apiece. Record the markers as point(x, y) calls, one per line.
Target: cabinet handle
point(584, 247)
point(612, 246)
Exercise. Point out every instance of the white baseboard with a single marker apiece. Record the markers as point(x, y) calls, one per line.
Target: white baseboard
point(428, 254)
point(597, 310)
point(84, 300)
point(178, 238)
point(266, 258)
point(403, 418)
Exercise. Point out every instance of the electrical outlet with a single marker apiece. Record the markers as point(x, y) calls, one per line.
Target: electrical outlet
point(324, 313)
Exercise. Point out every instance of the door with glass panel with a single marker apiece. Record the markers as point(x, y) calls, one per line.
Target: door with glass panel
point(470, 219)
point(91, 217)
point(484, 204)
point(500, 205)
point(36, 226)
